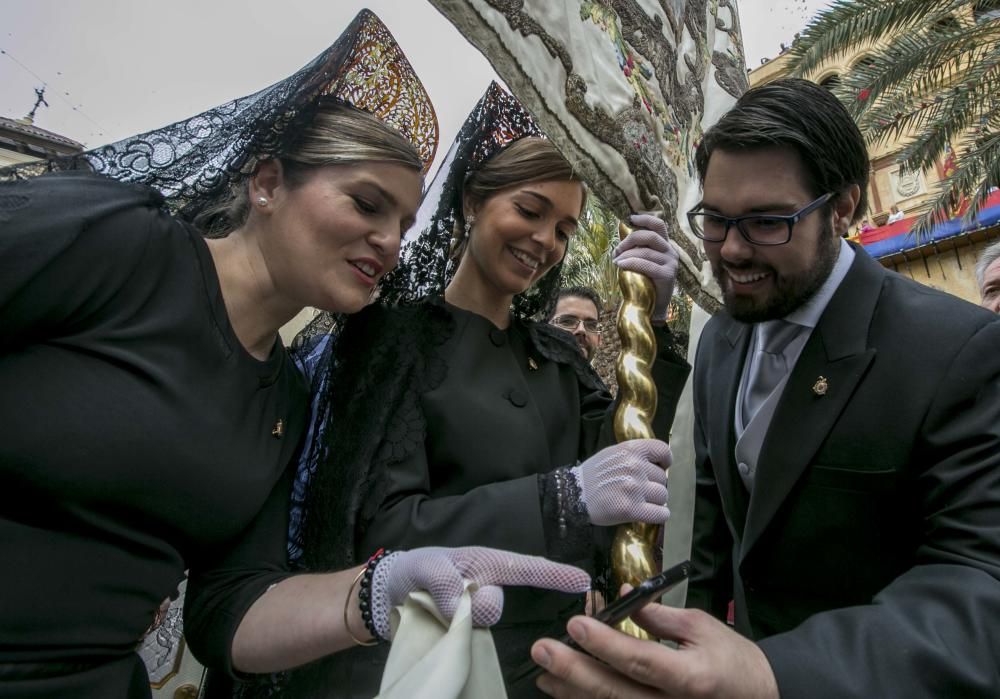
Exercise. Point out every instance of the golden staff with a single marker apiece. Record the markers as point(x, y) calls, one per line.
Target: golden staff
point(633, 550)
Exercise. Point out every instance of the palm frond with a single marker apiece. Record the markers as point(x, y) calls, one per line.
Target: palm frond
point(959, 116)
point(917, 64)
point(852, 24)
point(937, 121)
point(588, 262)
point(928, 80)
point(976, 174)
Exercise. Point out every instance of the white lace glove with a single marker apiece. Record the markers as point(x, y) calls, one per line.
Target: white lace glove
point(443, 572)
point(626, 483)
point(647, 250)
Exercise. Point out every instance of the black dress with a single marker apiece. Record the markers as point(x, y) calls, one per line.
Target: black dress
point(466, 417)
point(139, 437)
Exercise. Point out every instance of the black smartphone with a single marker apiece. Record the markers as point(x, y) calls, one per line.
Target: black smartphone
point(615, 612)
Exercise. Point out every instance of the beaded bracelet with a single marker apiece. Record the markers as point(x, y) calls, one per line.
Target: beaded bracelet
point(364, 592)
point(347, 602)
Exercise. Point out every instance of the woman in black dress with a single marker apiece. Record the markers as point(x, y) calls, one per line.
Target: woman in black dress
point(149, 409)
point(488, 425)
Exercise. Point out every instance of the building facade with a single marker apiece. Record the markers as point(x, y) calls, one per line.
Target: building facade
point(945, 257)
point(21, 141)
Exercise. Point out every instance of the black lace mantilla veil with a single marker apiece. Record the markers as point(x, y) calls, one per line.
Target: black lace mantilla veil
point(425, 266)
point(193, 162)
point(497, 120)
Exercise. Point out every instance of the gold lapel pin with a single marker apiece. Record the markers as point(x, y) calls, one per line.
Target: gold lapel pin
point(532, 364)
point(821, 386)
point(279, 429)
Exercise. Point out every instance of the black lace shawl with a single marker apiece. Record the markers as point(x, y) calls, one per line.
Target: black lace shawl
point(193, 162)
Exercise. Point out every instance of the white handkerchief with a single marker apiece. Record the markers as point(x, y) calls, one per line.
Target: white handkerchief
point(432, 659)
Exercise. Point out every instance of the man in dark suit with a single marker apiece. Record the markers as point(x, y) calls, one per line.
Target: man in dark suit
point(847, 449)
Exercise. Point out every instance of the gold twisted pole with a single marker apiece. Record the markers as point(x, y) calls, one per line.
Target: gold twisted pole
point(633, 550)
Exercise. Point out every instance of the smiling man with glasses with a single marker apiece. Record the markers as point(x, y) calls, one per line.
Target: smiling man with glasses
point(763, 273)
point(847, 448)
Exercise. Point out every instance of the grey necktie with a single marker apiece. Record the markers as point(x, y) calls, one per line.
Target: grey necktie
point(771, 365)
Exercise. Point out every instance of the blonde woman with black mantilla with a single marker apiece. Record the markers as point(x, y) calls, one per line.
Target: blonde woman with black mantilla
point(149, 408)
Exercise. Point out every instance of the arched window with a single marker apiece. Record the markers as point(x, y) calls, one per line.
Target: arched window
point(830, 82)
point(862, 62)
point(949, 24)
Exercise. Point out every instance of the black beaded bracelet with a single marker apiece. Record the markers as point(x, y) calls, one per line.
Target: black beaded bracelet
point(364, 592)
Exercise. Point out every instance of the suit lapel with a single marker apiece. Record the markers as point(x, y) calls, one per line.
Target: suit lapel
point(725, 380)
point(838, 352)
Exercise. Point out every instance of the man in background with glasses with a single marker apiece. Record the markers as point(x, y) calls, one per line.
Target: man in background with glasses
point(578, 311)
point(847, 448)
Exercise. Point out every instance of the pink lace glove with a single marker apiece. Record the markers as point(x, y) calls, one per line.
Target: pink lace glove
point(443, 572)
point(626, 483)
point(648, 251)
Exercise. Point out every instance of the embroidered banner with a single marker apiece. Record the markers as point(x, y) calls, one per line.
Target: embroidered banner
point(625, 89)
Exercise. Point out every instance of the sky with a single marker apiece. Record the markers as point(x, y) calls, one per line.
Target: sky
point(113, 68)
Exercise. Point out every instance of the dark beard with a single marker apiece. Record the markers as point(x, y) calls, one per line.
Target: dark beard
point(790, 292)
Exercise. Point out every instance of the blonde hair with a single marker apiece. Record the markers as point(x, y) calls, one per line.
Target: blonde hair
point(530, 159)
point(342, 135)
point(338, 134)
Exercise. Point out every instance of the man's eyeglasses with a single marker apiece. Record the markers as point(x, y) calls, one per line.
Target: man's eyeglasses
point(571, 323)
point(759, 229)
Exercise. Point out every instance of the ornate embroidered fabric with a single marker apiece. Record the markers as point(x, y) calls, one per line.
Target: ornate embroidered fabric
point(11, 202)
point(192, 162)
point(622, 87)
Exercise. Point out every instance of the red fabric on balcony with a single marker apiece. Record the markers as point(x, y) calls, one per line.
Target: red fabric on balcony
point(903, 226)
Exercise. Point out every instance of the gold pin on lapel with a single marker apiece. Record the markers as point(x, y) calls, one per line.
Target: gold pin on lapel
point(532, 364)
point(279, 429)
point(821, 386)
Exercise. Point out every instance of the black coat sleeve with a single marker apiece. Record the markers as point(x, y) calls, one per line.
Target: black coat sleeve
point(413, 515)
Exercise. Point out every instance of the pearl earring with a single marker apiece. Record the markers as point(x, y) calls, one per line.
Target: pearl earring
point(262, 201)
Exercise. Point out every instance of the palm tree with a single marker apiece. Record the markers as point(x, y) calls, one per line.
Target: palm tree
point(588, 262)
point(931, 76)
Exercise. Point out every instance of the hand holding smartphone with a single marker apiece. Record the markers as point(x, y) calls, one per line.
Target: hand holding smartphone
point(615, 612)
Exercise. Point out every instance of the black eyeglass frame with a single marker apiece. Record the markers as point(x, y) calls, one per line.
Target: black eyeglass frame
point(789, 219)
point(595, 331)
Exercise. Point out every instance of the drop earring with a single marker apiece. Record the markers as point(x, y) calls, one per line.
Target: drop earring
point(468, 225)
